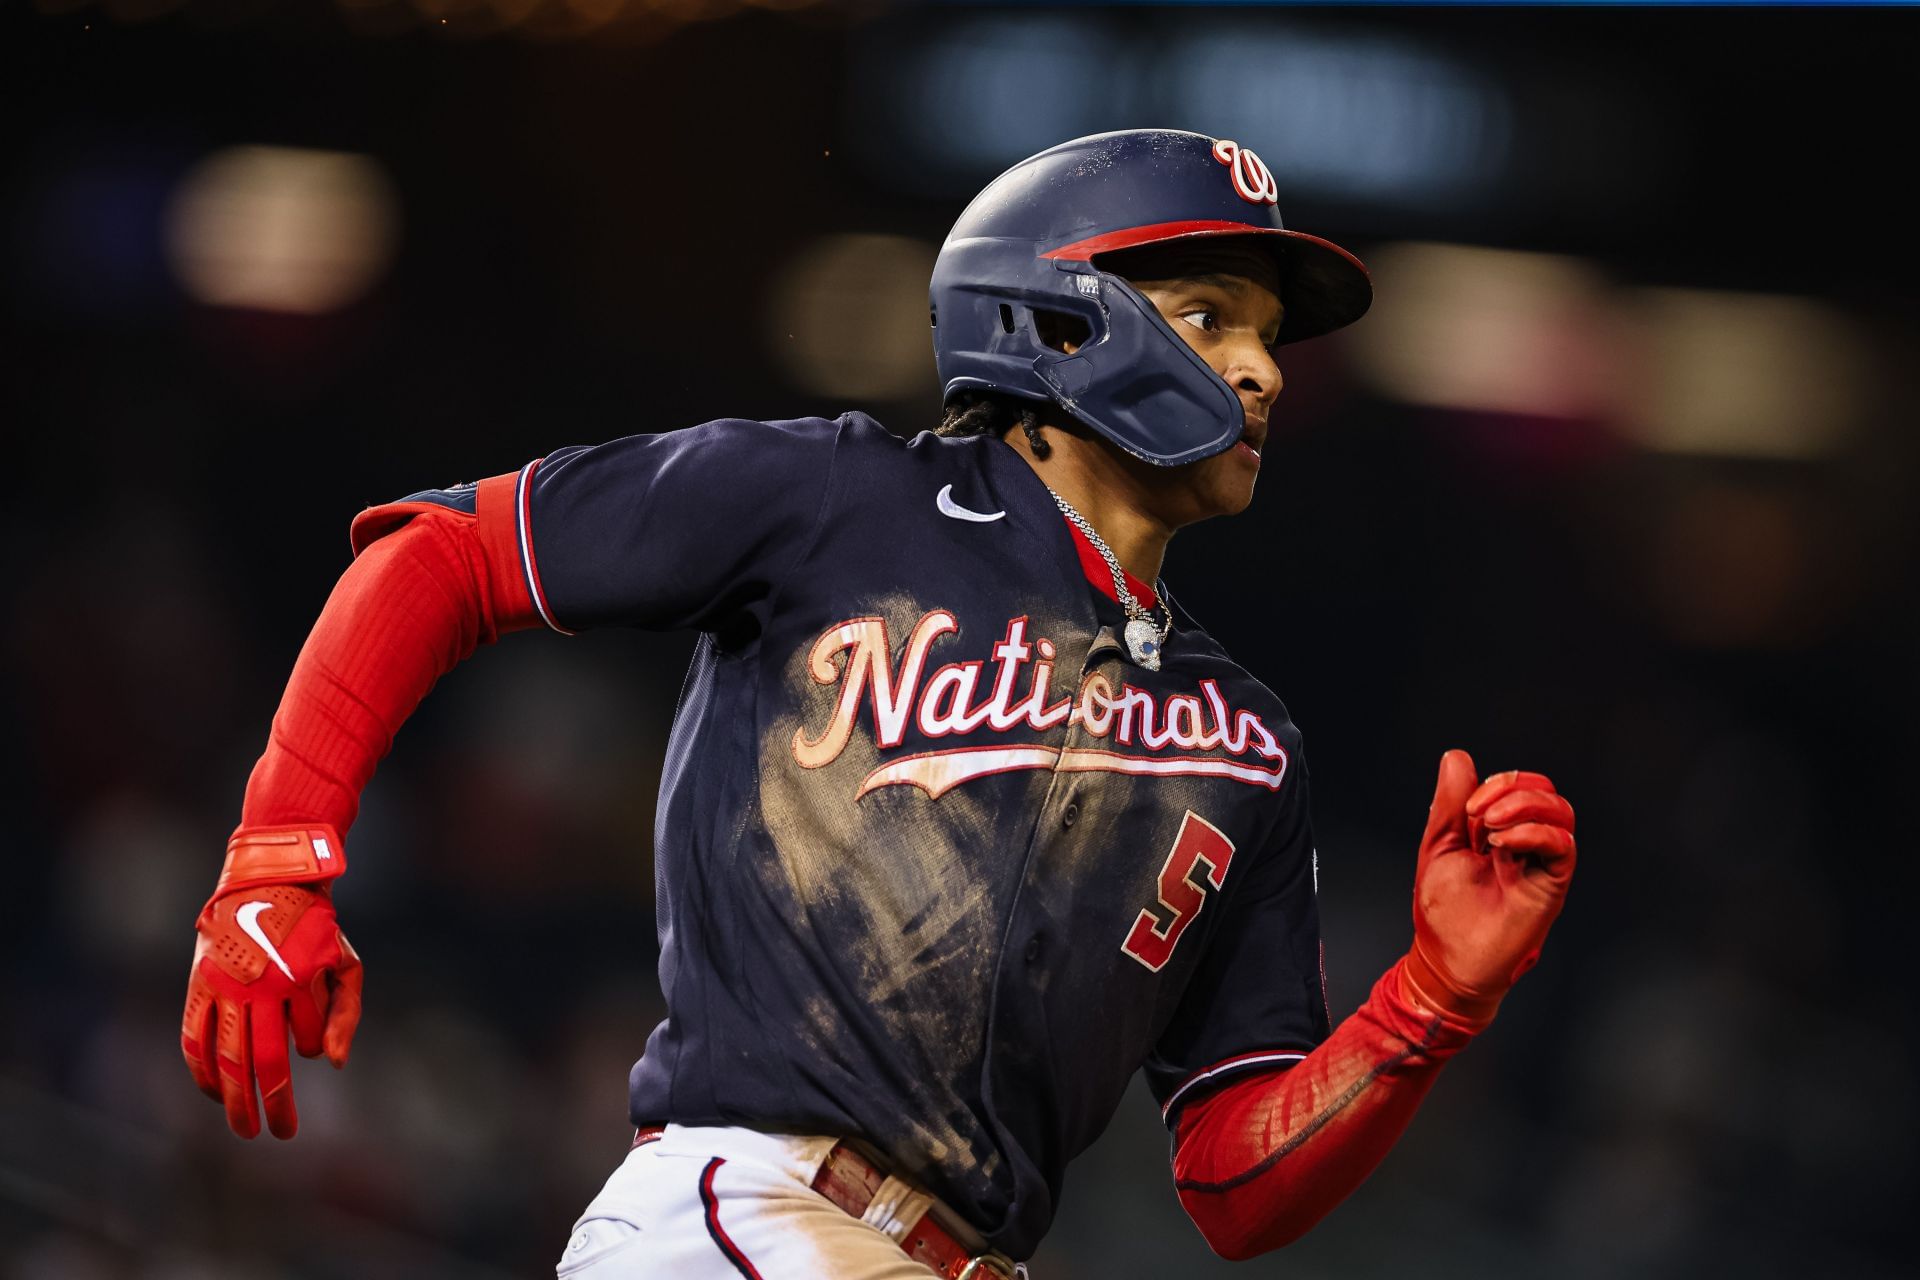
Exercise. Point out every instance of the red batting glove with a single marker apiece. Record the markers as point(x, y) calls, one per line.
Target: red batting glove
point(1493, 873)
point(270, 959)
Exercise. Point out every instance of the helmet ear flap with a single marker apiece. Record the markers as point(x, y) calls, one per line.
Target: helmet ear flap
point(990, 334)
point(1138, 381)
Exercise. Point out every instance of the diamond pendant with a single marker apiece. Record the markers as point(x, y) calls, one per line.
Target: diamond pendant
point(1143, 642)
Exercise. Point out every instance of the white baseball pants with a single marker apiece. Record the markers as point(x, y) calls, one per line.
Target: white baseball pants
point(723, 1204)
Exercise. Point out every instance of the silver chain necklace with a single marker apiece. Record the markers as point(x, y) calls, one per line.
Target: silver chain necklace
point(1145, 640)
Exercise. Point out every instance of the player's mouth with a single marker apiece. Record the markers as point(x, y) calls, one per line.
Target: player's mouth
point(1252, 440)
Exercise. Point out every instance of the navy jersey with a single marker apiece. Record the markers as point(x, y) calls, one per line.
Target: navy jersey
point(937, 864)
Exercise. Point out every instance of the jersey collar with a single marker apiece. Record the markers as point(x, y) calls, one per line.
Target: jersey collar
point(1094, 565)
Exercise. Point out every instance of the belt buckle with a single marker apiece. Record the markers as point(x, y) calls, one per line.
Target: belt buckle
point(985, 1265)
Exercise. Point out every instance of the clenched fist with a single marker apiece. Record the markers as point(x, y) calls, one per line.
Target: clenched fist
point(1493, 873)
point(270, 960)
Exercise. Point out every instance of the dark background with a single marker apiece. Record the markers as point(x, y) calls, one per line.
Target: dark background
point(1674, 570)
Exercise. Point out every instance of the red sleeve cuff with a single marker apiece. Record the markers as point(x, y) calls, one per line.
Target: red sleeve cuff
point(498, 527)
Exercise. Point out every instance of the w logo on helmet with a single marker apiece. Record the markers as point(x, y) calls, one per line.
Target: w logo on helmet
point(1251, 177)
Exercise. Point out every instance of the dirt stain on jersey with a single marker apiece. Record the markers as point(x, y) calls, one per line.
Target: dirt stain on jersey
point(902, 899)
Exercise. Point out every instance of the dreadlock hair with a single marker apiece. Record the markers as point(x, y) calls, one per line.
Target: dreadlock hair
point(985, 413)
point(982, 413)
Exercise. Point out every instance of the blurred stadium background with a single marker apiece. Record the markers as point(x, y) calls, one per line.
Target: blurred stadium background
point(1645, 342)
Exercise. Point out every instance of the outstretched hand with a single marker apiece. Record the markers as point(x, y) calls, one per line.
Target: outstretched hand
point(269, 962)
point(1494, 867)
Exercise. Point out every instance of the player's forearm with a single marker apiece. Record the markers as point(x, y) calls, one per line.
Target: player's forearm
point(1258, 1163)
point(407, 610)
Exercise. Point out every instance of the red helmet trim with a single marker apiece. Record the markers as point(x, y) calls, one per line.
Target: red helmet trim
point(1154, 233)
point(1132, 237)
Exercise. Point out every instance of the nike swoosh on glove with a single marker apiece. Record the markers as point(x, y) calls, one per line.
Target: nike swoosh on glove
point(270, 959)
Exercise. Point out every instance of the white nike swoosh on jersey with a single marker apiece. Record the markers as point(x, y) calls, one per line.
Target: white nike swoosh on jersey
point(248, 918)
point(948, 507)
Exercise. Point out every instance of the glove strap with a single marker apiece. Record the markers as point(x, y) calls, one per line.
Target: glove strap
point(1426, 986)
point(303, 854)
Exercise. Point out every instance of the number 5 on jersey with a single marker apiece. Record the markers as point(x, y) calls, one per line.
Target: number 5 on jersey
point(1199, 844)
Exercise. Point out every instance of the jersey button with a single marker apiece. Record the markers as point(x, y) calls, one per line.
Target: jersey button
point(1071, 816)
point(1035, 945)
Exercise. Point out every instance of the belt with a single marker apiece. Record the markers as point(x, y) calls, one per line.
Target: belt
point(850, 1181)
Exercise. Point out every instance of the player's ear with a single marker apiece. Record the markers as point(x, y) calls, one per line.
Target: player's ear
point(1061, 331)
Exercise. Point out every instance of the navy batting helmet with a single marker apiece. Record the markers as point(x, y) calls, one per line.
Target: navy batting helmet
point(1031, 242)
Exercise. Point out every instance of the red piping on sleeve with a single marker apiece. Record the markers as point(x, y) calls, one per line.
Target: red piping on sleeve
point(523, 528)
point(1264, 1058)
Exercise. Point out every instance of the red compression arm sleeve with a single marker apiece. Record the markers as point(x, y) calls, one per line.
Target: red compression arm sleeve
point(413, 604)
point(1258, 1162)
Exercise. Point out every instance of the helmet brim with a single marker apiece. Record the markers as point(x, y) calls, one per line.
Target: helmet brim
point(1322, 286)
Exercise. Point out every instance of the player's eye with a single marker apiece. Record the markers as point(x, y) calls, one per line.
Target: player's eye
point(1205, 319)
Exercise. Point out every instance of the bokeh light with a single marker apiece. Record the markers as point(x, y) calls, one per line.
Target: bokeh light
point(848, 317)
point(1488, 329)
point(1683, 371)
point(1363, 118)
point(282, 229)
point(1745, 374)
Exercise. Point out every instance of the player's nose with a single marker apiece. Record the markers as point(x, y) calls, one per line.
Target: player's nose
point(1251, 371)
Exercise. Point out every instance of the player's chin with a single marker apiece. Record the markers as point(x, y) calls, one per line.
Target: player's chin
point(1227, 485)
point(1218, 486)
point(1240, 497)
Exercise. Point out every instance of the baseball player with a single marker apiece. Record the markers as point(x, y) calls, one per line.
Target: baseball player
point(963, 819)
